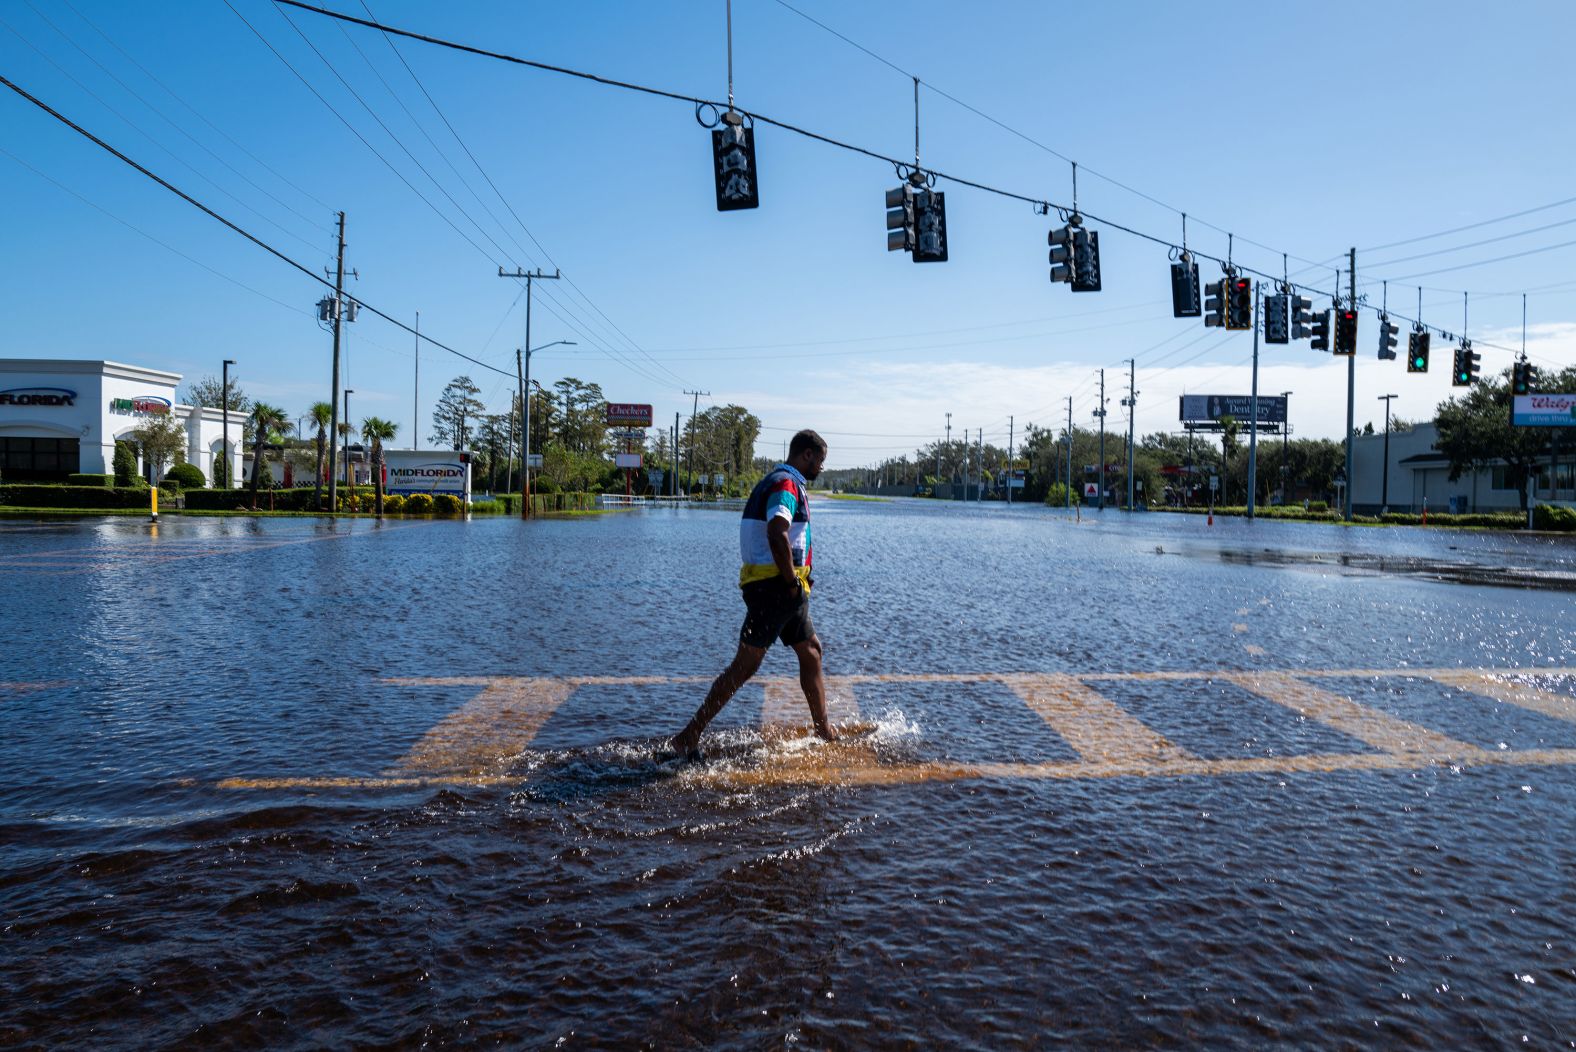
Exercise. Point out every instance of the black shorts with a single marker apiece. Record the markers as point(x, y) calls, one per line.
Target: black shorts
point(774, 611)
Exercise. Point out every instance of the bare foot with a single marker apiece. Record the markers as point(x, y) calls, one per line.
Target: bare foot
point(826, 734)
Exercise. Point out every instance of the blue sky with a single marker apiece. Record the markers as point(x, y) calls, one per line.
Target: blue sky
point(1309, 131)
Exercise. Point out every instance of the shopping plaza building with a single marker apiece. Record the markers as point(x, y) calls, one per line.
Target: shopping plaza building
point(59, 417)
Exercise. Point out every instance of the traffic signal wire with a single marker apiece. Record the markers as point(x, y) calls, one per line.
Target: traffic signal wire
point(236, 228)
point(1040, 204)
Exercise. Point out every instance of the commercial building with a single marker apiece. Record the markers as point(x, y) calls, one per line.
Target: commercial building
point(60, 417)
point(1419, 473)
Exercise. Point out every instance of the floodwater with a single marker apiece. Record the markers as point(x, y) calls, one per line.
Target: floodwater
point(1134, 781)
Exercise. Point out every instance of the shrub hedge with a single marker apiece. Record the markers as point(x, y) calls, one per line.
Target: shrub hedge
point(1553, 517)
point(393, 504)
point(189, 476)
point(23, 495)
point(445, 504)
point(418, 504)
point(90, 480)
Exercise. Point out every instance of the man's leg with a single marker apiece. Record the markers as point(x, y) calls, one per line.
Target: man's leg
point(814, 685)
point(743, 666)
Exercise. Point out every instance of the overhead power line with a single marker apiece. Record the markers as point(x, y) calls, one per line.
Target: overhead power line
point(253, 238)
point(899, 164)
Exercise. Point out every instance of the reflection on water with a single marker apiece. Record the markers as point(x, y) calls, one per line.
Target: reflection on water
point(290, 783)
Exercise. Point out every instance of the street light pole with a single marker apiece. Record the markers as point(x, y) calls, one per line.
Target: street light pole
point(1285, 437)
point(1384, 496)
point(523, 375)
point(348, 484)
point(525, 410)
point(225, 398)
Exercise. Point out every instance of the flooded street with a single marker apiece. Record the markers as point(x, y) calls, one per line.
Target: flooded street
point(1134, 781)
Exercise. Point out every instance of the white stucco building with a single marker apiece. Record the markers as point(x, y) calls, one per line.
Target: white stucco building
point(63, 416)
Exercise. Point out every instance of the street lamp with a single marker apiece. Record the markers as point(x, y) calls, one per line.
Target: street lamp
point(1285, 437)
point(525, 421)
point(348, 483)
point(225, 399)
point(1384, 495)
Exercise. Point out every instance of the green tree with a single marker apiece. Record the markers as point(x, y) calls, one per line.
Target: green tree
point(162, 440)
point(268, 421)
point(376, 430)
point(457, 406)
point(1475, 430)
point(209, 392)
point(322, 414)
point(125, 464)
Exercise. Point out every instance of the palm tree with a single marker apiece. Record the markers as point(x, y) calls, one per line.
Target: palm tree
point(268, 421)
point(376, 430)
point(321, 413)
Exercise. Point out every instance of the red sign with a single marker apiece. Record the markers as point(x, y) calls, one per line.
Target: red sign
point(628, 414)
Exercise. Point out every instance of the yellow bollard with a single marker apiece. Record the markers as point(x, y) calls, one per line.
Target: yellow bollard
point(154, 497)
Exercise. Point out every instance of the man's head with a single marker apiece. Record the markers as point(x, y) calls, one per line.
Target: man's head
point(807, 453)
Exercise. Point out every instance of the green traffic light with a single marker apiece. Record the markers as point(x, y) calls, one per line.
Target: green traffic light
point(1418, 363)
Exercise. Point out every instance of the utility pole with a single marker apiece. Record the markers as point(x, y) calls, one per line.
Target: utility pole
point(951, 476)
point(225, 398)
point(1101, 414)
point(524, 380)
point(1009, 462)
point(333, 414)
point(1384, 496)
point(980, 439)
point(1253, 410)
point(1069, 452)
point(675, 486)
point(1131, 402)
point(967, 466)
point(689, 469)
point(1351, 396)
point(415, 397)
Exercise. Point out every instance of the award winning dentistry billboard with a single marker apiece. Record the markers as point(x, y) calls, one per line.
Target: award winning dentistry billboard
point(408, 471)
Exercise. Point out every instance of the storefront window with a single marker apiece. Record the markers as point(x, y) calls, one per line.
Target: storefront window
point(39, 459)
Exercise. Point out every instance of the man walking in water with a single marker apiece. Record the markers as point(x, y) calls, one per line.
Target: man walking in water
point(774, 543)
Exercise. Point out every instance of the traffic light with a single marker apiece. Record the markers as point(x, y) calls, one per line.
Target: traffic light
point(1301, 318)
point(1466, 371)
point(930, 210)
point(1387, 340)
point(1215, 304)
point(917, 223)
point(1239, 303)
point(733, 164)
point(1061, 242)
point(1184, 289)
point(1417, 351)
point(1086, 260)
point(1275, 329)
point(1320, 331)
point(1345, 331)
point(900, 219)
point(1523, 375)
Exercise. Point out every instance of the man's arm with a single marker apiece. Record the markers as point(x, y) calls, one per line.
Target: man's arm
point(782, 554)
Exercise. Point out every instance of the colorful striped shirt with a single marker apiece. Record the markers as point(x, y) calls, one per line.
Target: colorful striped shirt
point(783, 493)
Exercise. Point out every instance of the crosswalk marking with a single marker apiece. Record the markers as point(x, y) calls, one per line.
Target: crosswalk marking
point(785, 701)
point(475, 744)
point(1095, 726)
point(497, 724)
point(1379, 729)
point(1513, 691)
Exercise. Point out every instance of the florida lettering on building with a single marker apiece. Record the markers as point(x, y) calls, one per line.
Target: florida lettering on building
point(50, 396)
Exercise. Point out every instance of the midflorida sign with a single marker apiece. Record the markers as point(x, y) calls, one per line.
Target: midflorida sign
point(1543, 410)
point(408, 471)
point(38, 396)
